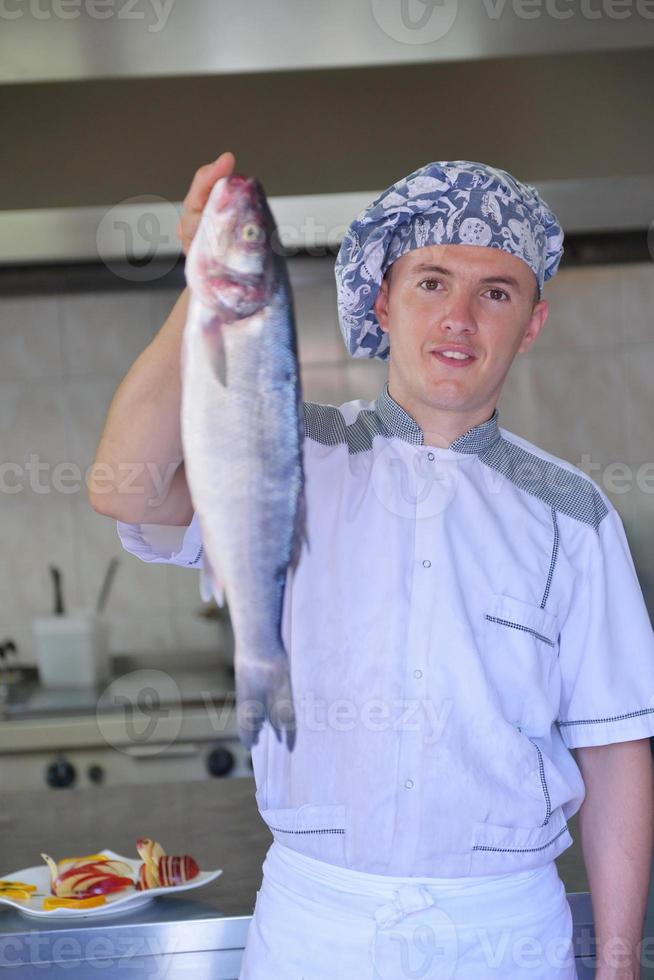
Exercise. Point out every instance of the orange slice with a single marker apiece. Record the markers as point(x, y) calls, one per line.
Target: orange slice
point(73, 903)
point(21, 885)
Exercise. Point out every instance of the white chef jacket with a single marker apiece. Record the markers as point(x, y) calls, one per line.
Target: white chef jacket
point(460, 619)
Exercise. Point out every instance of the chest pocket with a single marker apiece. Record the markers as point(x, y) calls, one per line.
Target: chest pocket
point(521, 643)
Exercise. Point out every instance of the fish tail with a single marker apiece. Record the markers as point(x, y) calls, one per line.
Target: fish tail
point(263, 691)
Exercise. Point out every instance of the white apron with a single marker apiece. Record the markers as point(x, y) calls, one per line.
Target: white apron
point(318, 921)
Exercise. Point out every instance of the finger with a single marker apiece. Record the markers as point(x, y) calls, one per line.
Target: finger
point(204, 179)
point(188, 227)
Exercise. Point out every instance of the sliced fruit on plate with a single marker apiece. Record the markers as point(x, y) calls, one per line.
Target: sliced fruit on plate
point(163, 870)
point(81, 878)
point(16, 889)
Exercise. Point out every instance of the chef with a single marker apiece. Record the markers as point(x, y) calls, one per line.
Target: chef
point(471, 654)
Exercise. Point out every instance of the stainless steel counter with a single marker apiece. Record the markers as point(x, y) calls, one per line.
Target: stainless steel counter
point(186, 679)
point(201, 934)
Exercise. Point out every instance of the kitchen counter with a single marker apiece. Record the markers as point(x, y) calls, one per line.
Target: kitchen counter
point(204, 931)
point(187, 679)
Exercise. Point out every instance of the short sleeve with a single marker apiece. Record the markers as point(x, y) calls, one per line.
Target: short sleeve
point(164, 543)
point(606, 645)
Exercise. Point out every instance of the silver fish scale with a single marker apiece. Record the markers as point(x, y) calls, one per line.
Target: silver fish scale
point(243, 458)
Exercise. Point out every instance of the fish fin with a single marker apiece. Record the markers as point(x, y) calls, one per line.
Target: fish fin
point(215, 343)
point(212, 585)
point(300, 532)
point(263, 692)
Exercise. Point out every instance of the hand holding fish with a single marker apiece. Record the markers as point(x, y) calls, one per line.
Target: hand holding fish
point(198, 195)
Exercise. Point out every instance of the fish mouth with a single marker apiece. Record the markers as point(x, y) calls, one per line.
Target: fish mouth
point(239, 184)
point(233, 269)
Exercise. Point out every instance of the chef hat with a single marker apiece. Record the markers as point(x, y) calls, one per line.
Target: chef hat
point(455, 202)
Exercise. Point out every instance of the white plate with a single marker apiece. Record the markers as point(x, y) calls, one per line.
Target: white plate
point(123, 901)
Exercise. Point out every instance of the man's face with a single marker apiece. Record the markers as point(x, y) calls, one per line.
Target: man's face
point(469, 296)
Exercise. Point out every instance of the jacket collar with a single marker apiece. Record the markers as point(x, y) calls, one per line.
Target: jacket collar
point(397, 422)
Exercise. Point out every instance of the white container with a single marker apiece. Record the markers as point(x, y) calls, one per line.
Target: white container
point(72, 650)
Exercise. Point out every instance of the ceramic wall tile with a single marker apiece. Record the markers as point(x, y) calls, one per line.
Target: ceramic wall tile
point(637, 293)
point(141, 632)
point(517, 407)
point(584, 309)
point(641, 540)
point(365, 377)
point(30, 339)
point(103, 333)
point(138, 585)
point(162, 302)
point(192, 633)
point(314, 292)
point(639, 401)
point(37, 532)
point(580, 405)
point(324, 383)
point(32, 434)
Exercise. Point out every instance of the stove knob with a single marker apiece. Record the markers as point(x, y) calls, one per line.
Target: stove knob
point(60, 774)
point(220, 761)
point(95, 774)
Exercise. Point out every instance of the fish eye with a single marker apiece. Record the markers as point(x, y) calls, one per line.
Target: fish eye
point(251, 232)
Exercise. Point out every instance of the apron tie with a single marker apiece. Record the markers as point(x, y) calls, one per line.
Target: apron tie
point(406, 899)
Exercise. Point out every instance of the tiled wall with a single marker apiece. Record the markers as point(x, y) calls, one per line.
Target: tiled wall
point(584, 388)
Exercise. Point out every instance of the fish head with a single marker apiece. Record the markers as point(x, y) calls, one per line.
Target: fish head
point(232, 259)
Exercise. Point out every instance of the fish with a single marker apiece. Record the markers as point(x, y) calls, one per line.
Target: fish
point(242, 428)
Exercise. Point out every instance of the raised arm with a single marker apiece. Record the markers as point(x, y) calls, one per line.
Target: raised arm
point(138, 472)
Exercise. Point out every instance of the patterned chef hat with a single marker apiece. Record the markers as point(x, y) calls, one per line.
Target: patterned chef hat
point(456, 202)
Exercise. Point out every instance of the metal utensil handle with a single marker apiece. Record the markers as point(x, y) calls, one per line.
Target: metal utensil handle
point(106, 585)
point(59, 602)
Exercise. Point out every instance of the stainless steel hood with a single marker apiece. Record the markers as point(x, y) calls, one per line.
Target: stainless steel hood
point(141, 233)
point(48, 40)
point(109, 106)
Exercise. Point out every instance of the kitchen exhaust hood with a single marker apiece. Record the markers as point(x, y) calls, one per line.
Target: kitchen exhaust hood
point(109, 107)
point(65, 40)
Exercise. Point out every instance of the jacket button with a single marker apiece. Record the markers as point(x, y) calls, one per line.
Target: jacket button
point(426, 563)
point(430, 455)
point(408, 783)
point(417, 673)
